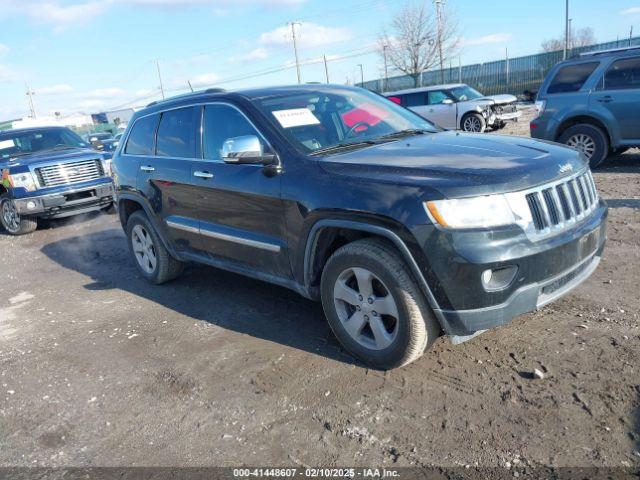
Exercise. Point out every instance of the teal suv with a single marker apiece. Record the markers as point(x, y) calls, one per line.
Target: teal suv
point(592, 103)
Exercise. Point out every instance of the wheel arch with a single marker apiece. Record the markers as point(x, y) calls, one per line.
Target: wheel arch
point(581, 119)
point(321, 243)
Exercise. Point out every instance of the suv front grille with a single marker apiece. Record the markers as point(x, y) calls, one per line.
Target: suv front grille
point(558, 205)
point(66, 173)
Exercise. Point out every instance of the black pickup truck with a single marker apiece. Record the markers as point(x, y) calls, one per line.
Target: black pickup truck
point(403, 231)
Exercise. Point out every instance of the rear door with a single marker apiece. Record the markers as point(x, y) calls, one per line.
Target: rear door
point(618, 97)
point(241, 213)
point(164, 176)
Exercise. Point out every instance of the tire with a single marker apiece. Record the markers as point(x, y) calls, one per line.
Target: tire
point(473, 123)
point(11, 221)
point(373, 268)
point(153, 260)
point(588, 139)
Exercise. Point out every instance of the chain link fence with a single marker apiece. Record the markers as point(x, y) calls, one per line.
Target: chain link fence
point(514, 75)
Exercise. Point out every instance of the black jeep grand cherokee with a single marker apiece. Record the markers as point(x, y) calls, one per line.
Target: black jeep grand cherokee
point(403, 231)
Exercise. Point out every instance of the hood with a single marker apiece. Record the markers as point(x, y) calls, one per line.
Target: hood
point(460, 164)
point(496, 99)
point(47, 156)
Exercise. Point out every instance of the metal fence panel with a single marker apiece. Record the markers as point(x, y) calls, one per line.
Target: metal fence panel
point(519, 75)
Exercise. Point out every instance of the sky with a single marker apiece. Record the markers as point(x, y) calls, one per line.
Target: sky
point(90, 56)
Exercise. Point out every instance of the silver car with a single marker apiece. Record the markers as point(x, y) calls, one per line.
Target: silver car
point(458, 107)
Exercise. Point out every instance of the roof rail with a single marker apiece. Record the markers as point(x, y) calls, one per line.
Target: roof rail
point(610, 50)
point(187, 95)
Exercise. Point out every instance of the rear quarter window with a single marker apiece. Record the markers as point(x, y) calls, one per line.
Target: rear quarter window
point(140, 141)
point(571, 78)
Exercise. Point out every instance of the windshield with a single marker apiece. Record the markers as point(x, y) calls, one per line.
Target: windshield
point(464, 93)
point(26, 142)
point(319, 120)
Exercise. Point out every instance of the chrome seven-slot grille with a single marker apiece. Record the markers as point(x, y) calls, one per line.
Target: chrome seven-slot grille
point(558, 205)
point(66, 173)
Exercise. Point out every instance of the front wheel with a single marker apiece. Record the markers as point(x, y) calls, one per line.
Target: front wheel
point(588, 139)
point(153, 260)
point(374, 306)
point(473, 123)
point(12, 222)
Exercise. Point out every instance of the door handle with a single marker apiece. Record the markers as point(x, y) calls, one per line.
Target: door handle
point(203, 174)
point(606, 99)
point(147, 168)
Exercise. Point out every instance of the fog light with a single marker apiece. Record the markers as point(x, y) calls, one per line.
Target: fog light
point(31, 205)
point(498, 278)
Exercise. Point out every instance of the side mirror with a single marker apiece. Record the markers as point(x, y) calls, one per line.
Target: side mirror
point(447, 101)
point(246, 149)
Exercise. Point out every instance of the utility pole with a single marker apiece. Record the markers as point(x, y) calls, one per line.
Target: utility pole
point(30, 94)
point(440, 3)
point(361, 75)
point(459, 70)
point(386, 68)
point(566, 30)
point(569, 39)
point(630, 35)
point(160, 78)
point(295, 48)
point(506, 54)
point(326, 68)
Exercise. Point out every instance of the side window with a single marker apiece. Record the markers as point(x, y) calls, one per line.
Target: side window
point(220, 123)
point(437, 97)
point(414, 100)
point(623, 74)
point(140, 140)
point(571, 78)
point(177, 134)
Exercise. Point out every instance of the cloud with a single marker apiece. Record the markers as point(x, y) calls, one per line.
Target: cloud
point(54, 89)
point(487, 39)
point(7, 74)
point(203, 80)
point(105, 92)
point(631, 11)
point(259, 53)
point(308, 35)
point(3, 49)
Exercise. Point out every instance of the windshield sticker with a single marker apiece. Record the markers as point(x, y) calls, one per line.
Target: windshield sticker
point(295, 117)
point(7, 143)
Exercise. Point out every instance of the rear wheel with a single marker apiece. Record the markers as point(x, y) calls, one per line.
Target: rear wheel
point(473, 123)
point(12, 222)
point(588, 139)
point(374, 306)
point(153, 260)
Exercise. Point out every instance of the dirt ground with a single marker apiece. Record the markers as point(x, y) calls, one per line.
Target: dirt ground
point(98, 368)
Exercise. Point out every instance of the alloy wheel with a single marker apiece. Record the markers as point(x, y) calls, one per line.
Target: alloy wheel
point(143, 249)
point(366, 308)
point(10, 216)
point(472, 124)
point(583, 143)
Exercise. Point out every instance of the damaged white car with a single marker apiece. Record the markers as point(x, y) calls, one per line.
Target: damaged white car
point(458, 107)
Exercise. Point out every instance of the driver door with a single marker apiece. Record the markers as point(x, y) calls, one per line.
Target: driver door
point(240, 210)
point(441, 110)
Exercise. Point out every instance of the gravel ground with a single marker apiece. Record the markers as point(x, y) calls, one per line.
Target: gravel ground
point(98, 368)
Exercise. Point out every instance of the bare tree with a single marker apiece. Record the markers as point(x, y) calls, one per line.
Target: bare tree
point(577, 38)
point(411, 43)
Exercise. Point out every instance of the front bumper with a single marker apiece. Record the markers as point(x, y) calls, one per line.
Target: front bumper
point(546, 270)
point(66, 203)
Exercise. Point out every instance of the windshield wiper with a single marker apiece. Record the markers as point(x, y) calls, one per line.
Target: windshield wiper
point(342, 146)
point(63, 147)
point(404, 133)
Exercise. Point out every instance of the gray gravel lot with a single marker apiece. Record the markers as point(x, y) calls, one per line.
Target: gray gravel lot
point(99, 368)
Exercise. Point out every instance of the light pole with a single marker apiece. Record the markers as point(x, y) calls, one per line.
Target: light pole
point(569, 39)
point(566, 30)
point(386, 70)
point(361, 75)
point(295, 49)
point(440, 3)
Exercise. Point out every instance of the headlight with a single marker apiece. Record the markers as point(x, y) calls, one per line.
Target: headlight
point(476, 212)
point(21, 180)
point(107, 166)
